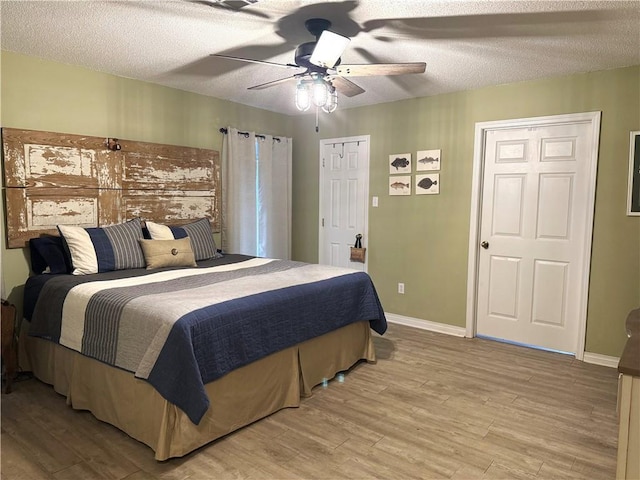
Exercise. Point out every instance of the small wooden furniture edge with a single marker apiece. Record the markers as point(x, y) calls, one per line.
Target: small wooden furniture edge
point(8, 341)
point(628, 462)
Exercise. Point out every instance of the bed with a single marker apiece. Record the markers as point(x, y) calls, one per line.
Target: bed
point(133, 314)
point(177, 357)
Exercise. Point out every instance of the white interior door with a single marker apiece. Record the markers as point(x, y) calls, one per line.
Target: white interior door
point(536, 217)
point(344, 192)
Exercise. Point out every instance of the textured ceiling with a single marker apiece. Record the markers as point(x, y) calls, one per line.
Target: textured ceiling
point(466, 44)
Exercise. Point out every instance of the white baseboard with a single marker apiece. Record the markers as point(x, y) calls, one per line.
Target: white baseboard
point(426, 325)
point(599, 359)
point(595, 358)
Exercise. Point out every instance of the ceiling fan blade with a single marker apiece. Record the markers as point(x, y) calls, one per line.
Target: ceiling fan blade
point(262, 86)
point(260, 62)
point(328, 49)
point(346, 87)
point(231, 6)
point(371, 69)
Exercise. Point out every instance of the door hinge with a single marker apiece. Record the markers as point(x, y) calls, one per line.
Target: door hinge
point(323, 222)
point(323, 162)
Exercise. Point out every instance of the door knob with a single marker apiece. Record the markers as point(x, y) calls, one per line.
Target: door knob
point(485, 245)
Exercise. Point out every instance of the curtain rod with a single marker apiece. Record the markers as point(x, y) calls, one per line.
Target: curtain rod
point(246, 134)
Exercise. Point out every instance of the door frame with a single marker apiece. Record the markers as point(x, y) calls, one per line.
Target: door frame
point(360, 138)
point(481, 129)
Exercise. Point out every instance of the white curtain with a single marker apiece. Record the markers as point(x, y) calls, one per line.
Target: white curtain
point(256, 194)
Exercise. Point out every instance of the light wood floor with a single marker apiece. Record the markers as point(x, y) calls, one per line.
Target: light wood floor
point(434, 406)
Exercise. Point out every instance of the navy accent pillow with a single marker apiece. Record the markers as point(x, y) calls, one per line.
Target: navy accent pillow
point(48, 252)
point(178, 232)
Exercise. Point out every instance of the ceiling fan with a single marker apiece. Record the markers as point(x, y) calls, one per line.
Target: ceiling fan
point(322, 63)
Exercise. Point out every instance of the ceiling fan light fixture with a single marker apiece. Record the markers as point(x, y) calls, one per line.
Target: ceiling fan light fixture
point(317, 91)
point(328, 49)
point(332, 101)
point(303, 96)
point(320, 92)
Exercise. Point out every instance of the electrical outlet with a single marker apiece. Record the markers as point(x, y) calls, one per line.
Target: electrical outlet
point(374, 202)
point(401, 288)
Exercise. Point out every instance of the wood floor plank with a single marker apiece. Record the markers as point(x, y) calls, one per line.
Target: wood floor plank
point(81, 471)
point(548, 471)
point(500, 471)
point(306, 422)
point(17, 462)
point(140, 475)
point(315, 460)
point(433, 406)
point(84, 443)
point(47, 451)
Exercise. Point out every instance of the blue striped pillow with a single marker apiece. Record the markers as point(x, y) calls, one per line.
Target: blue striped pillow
point(96, 250)
point(199, 232)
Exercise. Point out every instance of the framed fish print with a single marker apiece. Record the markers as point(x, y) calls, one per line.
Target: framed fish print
point(427, 160)
point(428, 184)
point(400, 185)
point(400, 163)
point(633, 196)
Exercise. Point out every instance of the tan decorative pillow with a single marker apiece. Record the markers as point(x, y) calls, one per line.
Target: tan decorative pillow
point(168, 253)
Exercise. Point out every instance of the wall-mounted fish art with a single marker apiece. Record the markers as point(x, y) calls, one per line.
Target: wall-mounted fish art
point(400, 185)
point(428, 184)
point(400, 163)
point(427, 160)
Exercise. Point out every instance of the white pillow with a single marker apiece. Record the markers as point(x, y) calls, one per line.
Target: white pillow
point(159, 232)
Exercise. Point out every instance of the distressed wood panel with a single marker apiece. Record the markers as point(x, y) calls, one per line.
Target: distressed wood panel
point(38, 210)
point(109, 166)
point(178, 170)
point(54, 178)
point(34, 158)
point(110, 207)
point(172, 207)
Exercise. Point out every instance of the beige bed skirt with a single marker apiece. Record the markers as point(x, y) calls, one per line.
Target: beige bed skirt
point(237, 399)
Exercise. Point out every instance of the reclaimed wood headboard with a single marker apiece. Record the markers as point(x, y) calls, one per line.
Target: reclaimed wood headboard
point(55, 178)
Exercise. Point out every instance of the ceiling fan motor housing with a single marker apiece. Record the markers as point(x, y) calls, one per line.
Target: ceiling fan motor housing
point(315, 26)
point(303, 54)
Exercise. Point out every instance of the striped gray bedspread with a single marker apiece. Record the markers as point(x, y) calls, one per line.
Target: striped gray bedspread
point(182, 328)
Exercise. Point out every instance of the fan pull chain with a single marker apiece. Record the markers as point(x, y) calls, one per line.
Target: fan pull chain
point(317, 116)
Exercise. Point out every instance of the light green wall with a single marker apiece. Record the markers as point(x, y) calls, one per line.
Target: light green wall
point(420, 240)
point(42, 95)
point(423, 240)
